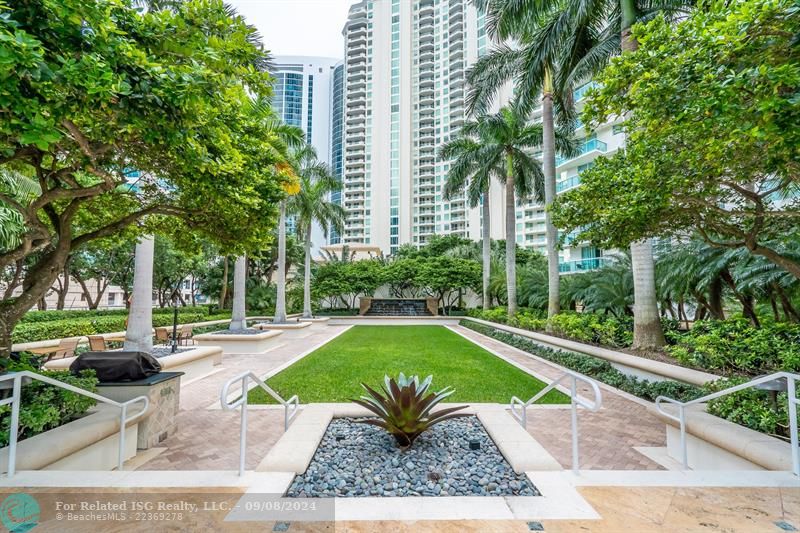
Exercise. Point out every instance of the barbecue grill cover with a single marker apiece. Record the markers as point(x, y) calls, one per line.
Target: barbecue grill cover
point(117, 365)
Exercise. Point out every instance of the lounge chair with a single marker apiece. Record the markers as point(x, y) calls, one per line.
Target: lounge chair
point(162, 335)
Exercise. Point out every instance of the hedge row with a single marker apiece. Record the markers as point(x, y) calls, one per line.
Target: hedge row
point(48, 316)
point(599, 369)
point(74, 327)
point(749, 408)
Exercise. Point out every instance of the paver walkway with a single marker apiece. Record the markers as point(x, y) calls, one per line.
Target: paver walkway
point(207, 437)
point(607, 437)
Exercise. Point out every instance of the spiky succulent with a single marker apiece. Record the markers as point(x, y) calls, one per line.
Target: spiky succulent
point(404, 410)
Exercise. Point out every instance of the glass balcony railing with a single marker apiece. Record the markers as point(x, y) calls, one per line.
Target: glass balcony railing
point(581, 265)
point(580, 92)
point(588, 146)
point(572, 181)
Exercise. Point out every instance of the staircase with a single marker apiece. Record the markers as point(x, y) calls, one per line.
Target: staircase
point(396, 307)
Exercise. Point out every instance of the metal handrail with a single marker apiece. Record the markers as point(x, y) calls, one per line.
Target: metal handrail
point(290, 407)
point(521, 415)
point(16, 399)
point(791, 388)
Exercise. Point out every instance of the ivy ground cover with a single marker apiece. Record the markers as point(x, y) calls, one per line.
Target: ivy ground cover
point(334, 372)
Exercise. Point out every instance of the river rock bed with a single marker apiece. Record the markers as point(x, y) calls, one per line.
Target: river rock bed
point(165, 350)
point(357, 460)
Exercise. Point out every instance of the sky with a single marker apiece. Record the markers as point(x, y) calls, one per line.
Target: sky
point(298, 27)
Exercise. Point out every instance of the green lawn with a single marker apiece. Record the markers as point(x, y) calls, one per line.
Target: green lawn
point(334, 372)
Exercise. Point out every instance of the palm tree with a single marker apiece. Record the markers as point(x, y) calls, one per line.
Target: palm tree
point(471, 172)
point(312, 204)
point(538, 68)
point(239, 288)
point(139, 329)
point(564, 42)
point(505, 143)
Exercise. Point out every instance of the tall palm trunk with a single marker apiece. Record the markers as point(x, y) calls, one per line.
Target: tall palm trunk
point(647, 331)
point(511, 238)
point(549, 167)
point(139, 331)
point(487, 250)
point(307, 275)
point(280, 301)
point(239, 288)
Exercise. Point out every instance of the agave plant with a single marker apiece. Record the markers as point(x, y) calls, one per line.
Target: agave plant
point(405, 407)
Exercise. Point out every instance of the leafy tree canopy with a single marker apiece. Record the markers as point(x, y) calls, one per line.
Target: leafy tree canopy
point(122, 115)
point(713, 123)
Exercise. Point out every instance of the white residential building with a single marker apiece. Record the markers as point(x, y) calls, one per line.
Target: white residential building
point(302, 97)
point(403, 96)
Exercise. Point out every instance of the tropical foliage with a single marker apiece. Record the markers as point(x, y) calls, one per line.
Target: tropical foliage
point(405, 409)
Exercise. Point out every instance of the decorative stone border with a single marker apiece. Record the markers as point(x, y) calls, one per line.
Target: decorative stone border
point(713, 443)
point(625, 363)
point(295, 449)
point(195, 364)
point(240, 344)
point(291, 330)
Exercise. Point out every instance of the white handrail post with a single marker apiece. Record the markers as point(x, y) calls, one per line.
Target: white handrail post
point(243, 436)
point(573, 396)
point(12, 438)
point(122, 416)
point(791, 392)
point(684, 452)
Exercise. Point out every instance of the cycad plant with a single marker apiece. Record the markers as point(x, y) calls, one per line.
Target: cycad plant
point(404, 408)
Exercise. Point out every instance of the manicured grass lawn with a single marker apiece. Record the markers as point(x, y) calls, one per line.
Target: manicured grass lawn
point(334, 372)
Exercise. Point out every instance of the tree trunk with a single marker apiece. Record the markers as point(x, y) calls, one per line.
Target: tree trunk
point(511, 238)
point(549, 168)
point(748, 309)
point(223, 292)
point(280, 302)
point(788, 309)
point(307, 275)
point(139, 332)
point(647, 332)
point(715, 299)
point(239, 287)
point(486, 245)
point(62, 294)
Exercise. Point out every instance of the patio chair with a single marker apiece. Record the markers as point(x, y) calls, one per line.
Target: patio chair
point(163, 335)
point(97, 343)
point(185, 334)
point(66, 348)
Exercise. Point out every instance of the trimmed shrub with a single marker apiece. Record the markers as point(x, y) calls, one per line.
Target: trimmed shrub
point(735, 346)
point(74, 327)
point(599, 369)
point(44, 406)
point(751, 408)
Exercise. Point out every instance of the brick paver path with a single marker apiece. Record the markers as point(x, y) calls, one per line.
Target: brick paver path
point(607, 437)
point(207, 437)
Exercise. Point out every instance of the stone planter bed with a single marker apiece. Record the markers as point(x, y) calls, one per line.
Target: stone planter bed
point(358, 460)
point(291, 330)
point(243, 341)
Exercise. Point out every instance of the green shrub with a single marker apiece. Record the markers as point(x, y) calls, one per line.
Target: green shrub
point(74, 327)
point(44, 406)
point(751, 408)
point(735, 346)
point(47, 316)
point(599, 369)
